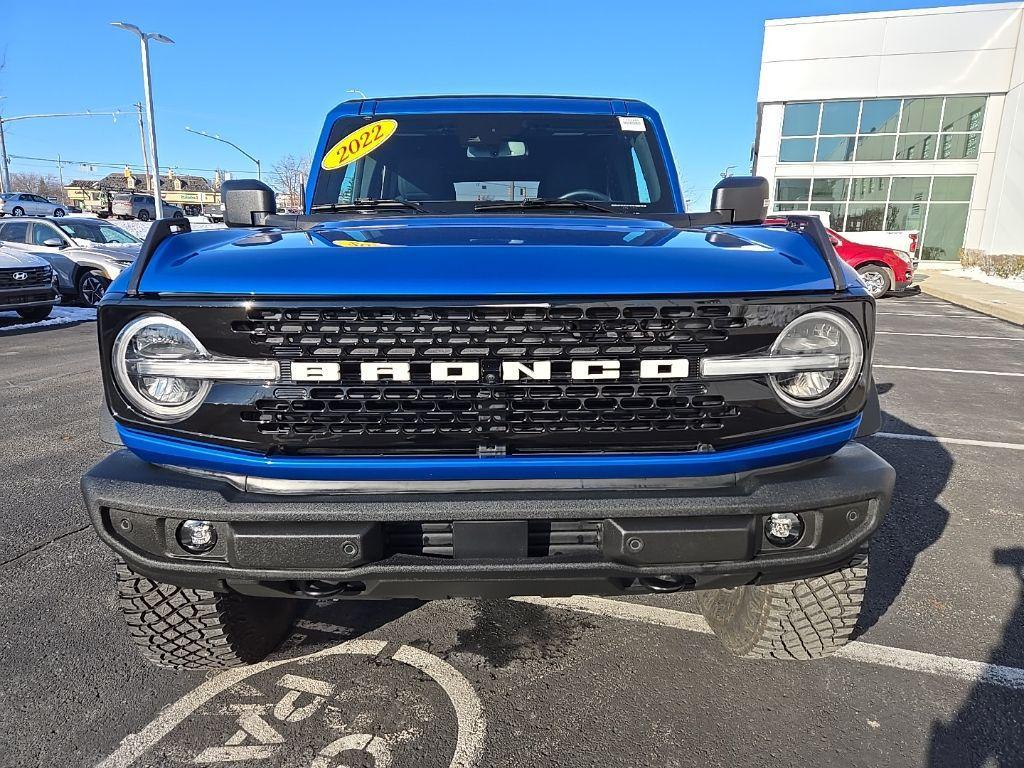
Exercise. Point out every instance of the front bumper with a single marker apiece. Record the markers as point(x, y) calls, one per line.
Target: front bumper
point(601, 537)
point(25, 298)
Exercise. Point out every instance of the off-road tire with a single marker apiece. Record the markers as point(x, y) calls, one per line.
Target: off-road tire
point(183, 628)
point(805, 619)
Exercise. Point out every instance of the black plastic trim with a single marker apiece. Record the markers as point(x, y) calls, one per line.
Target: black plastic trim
point(160, 230)
point(122, 486)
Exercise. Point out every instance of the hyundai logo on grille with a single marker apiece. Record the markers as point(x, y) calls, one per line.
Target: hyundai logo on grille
point(20, 276)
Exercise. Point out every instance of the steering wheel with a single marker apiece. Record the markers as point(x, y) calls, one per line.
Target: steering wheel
point(585, 194)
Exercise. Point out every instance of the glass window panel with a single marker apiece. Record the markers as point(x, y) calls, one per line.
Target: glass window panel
point(869, 188)
point(792, 190)
point(916, 146)
point(944, 232)
point(952, 188)
point(875, 147)
point(796, 151)
point(790, 207)
point(827, 190)
point(963, 113)
point(880, 116)
point(865, 217)
point(910, 188)
point(901, 216)
point(959, 146)
point(801, 119)
point(921, 115)
point(839, 117)
point(836, 211)
point(834, 149)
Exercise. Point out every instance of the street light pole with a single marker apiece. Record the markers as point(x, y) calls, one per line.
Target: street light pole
point(215, 137)
point(144, 38)
point(5, 175)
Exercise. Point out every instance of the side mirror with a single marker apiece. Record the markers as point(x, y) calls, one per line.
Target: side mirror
point(53, 242)
point(247, 202)
point(744, 197)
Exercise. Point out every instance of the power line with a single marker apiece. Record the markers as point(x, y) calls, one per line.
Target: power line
point(117, 165)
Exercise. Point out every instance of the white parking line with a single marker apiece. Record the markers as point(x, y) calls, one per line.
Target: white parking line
point(950, 336)
point(867, 653)
point(950, 440)
point(932, 314)
point(949, 370)
point(469, 740)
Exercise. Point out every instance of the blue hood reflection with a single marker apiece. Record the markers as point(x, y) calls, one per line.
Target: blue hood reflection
point(510, 255)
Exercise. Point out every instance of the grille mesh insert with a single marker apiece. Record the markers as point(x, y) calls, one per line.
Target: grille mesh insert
point(35, 277)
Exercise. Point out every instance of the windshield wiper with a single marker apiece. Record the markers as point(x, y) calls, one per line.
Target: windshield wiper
point(367, 203)
point(541, 202)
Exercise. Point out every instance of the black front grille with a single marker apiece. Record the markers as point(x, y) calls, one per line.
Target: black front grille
point(546, 538)
point(471, 333)
point(33, 277)
point(560, 411)
point(472, 410)
point(488, 415)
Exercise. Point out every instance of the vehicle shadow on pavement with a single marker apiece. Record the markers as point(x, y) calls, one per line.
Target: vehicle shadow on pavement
point(987, 729)
point(915, 521)
point(329, 623)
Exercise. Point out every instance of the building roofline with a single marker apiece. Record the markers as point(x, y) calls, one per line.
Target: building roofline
point(949, 9)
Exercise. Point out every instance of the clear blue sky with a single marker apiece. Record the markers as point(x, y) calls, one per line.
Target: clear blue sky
point(264, 74)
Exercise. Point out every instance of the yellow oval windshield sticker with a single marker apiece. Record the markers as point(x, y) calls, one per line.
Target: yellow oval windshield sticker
point(359, 143)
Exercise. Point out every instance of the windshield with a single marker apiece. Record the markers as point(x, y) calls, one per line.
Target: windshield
point(452, 163)
point(105, 234)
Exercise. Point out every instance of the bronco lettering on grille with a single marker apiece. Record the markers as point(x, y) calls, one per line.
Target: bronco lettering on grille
point(581, 370)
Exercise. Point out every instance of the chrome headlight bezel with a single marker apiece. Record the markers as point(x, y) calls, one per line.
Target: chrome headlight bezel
point(854, 367)
point(130, 392)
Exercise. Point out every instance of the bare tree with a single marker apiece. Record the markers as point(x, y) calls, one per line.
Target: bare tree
point(37, 184)
point(289, 177)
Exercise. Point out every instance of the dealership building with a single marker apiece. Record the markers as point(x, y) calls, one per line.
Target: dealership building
point(899, 120)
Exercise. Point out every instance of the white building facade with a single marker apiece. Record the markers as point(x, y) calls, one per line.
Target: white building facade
point(899, 120)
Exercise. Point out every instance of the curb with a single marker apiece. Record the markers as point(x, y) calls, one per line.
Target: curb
point(988, 307)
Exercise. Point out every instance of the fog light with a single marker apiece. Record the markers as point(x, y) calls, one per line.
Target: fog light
point(197, 536)
point(783, 529)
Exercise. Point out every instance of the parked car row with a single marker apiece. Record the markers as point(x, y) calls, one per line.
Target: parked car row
point(84, 254)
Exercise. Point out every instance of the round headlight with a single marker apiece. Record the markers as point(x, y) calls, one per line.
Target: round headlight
point(158, 338)
point(834, 353)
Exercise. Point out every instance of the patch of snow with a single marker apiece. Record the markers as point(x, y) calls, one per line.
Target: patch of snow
point(975, 273)
point(141, 228)
point(59, 316)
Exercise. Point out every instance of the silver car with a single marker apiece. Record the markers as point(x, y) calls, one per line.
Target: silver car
point(129, 205)
point(86, 254)
point(26, 204)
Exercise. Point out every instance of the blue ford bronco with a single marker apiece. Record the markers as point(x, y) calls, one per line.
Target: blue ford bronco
point(494, 355)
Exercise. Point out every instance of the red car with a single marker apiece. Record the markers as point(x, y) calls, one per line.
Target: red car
point(882, 270)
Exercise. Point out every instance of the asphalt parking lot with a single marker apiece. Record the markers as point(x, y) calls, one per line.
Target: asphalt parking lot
point(936, 678)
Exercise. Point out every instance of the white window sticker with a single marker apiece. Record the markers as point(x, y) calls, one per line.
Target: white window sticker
point(632, 124)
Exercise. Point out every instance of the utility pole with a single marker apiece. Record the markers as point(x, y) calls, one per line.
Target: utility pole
point(60, 177)
point(144, 38)
point(5, 175)
point(142, 142)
